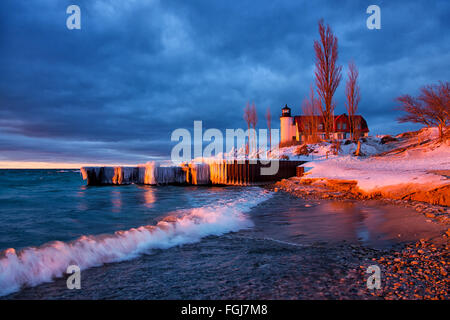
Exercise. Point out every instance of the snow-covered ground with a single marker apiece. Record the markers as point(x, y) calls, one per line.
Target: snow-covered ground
point(413, 161)
point(416, 165)
point(323, 150)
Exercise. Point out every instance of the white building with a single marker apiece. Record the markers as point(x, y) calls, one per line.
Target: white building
point(288, 129)
point(293, 128)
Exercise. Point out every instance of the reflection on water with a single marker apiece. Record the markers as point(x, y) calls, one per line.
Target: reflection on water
point(116, 200)
point(294, 220)
point(342, 205)
point(81, 203)
point(149, 196)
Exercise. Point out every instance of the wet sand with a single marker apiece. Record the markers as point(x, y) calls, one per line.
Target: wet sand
point(342, 191)
point(417, 266)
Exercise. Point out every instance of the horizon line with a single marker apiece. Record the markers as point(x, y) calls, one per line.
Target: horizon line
point(49, 165)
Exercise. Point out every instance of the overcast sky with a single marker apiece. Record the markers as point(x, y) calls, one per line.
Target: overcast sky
point(114, 91)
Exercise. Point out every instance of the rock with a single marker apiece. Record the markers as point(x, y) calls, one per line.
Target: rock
point(438, 196)
point(387, 139)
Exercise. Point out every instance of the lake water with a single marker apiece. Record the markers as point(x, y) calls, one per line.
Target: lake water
point(174, 242)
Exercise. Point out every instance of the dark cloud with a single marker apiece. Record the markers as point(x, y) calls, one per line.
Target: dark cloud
point(137, 70)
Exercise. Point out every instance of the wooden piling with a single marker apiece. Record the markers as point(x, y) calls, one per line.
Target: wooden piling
point(221, 172)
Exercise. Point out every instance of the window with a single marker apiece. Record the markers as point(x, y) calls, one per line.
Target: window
point(321, 126)
point(344, 126)
point(338, 125)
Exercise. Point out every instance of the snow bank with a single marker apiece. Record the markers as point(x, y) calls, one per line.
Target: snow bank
point(412, 166)
point(323, 150)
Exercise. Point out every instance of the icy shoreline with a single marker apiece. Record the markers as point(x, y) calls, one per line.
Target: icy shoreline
point(417, 171)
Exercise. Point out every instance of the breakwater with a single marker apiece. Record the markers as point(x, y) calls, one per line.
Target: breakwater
point(217, 172)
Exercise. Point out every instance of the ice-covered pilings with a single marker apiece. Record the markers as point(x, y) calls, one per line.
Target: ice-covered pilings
point(221, 172)
point(247, 172)
point(146, 174)
point(152, 173)
point(197, 173)
point(109, 175)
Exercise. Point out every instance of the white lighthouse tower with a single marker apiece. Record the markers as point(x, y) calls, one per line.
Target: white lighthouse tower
point(288, 131)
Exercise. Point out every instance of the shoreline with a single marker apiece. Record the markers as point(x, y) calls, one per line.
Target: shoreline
point(333, 189)
point(266, 265)
point(412, 270)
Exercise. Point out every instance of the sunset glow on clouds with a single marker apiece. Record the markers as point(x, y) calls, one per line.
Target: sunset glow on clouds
point(114, 91)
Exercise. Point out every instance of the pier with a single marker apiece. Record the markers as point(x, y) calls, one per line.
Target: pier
point(217, 172)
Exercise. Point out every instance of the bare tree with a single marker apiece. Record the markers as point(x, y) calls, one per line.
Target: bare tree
point(247, 118)
point(253, 121)
point(431, 107)
point(437, 100)
point(269, 121)
point(353, 97)
point(328, 73)
point(310, 108)
point(251, 118)
point(414, 110)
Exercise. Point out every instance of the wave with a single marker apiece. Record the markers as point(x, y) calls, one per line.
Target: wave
point(35, 265)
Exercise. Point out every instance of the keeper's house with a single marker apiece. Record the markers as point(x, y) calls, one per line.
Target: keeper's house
point(293, 128)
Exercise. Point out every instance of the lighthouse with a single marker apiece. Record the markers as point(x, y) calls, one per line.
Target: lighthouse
point(288, 130)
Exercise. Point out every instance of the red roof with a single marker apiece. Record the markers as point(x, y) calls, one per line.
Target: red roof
point(339, 120)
